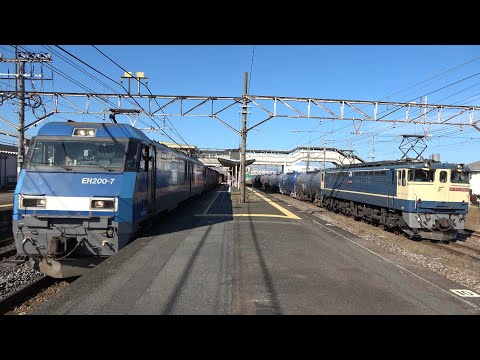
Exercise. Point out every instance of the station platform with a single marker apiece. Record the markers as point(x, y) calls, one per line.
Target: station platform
point(6, 206)
point(6, 199)
point(217, 256)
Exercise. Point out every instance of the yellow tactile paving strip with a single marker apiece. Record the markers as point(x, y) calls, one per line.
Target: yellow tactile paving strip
point(287, 214)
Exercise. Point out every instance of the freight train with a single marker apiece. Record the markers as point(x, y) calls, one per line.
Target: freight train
point(423, 199)
point(87, 189)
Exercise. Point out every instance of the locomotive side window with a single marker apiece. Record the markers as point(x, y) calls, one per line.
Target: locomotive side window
point(410, 175)
point(131, 162)
point(144, 159)
point(443, 176)
point(404, 178)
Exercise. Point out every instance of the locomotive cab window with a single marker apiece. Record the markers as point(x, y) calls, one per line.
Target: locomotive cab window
point(421, 175)
point(459, 177)
point(67, 154)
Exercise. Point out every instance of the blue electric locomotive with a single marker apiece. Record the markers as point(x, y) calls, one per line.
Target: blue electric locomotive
point(86, 189)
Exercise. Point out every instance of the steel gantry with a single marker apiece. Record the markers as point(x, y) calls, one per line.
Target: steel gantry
point(271, 106)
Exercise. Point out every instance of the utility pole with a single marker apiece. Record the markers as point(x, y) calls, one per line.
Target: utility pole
point(20, 59)
point(244, 139)
point(21, 117)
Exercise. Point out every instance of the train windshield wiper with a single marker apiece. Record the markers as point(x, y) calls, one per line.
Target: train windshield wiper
point(56, 164)
point(104, 167)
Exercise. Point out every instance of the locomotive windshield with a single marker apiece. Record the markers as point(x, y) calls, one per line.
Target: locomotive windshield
point(460, 177)
point(420, 175)
point(68, 154)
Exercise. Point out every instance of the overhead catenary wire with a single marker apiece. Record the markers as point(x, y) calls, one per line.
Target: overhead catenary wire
point(106, 101)
point(111, 104)
point(71, 79)
point(434, 91)
point(156, 101)
point(251, 69)
point(421, 82)
point(56, 53)
point(382, 127)
point(153, 120)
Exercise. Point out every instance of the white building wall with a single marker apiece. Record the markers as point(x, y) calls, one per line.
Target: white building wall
point(8, 169)
point(475, 183)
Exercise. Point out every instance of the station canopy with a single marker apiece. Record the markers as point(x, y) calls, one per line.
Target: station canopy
point(227, 162)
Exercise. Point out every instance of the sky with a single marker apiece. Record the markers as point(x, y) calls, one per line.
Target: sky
point(436, 74)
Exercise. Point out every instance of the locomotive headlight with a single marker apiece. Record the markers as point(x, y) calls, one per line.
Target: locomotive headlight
point(34, 202)
point(102, 204)
point(84, 132)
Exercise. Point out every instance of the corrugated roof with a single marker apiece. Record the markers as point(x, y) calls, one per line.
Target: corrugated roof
point(5, 147)
point(232, 162)
point(475, 166)
point(8, 149)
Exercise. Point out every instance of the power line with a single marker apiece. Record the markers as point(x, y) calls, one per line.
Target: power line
point(435, 76)
point(444, 87)
point(91, 67)
point(153, 120)
point(109, 58)
point(423, 81)
point(71, 79)
point(251, 69)
point(80, 69)
point(93, 92)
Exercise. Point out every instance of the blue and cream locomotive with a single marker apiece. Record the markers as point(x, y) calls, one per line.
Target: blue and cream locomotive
point(86, 189)
point(421, 199)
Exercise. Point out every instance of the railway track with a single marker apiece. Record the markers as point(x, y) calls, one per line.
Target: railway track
point(24, 293)
point(7, 247)
point(462, 250)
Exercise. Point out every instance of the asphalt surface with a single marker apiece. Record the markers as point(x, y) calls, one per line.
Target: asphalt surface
point(6, 199)
point(216, 256)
